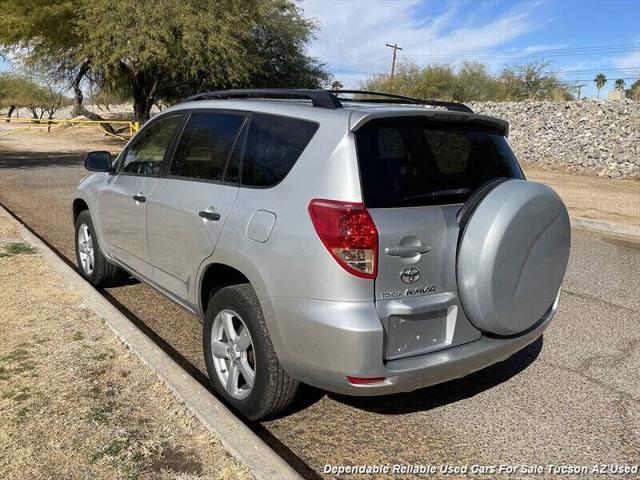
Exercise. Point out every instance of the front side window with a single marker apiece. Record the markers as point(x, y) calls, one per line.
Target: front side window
point(273, 146)
point(406, 162)
point(145, 154)
point(205, 146)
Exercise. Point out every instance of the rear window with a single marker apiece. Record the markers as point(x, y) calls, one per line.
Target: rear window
point(414, 162)
point(273, 147)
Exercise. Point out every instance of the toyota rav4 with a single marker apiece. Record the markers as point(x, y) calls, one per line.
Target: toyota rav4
point(360, 242)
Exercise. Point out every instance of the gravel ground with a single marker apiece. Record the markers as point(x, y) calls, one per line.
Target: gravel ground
point(571, 398)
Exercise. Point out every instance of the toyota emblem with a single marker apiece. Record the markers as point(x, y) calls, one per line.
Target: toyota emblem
point(410, 275)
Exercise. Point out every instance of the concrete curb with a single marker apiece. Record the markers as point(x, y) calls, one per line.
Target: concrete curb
point(236, 437)
point(600, 226)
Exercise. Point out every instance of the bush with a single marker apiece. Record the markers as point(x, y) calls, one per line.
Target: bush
point(472, 82)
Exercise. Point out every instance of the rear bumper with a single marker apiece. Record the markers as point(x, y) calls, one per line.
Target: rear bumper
point(322, 342)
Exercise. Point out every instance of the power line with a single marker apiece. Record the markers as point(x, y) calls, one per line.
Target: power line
point(497, 74)
point(618, 46)
point(578, 51)
point(516, 56)
point(596, 70)
point(591, 79)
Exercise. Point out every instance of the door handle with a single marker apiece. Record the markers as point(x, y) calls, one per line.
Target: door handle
point(207, 215)
point(140, 198)
point(406, 251)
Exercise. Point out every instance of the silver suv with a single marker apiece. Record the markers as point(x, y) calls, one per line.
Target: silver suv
point(359, 242)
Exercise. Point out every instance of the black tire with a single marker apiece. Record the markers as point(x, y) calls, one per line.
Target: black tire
point(104, 273)
point(273, 389)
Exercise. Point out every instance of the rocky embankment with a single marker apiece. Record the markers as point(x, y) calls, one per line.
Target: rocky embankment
point(597, 138)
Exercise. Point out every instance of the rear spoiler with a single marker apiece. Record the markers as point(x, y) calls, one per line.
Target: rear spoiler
point(439, 116)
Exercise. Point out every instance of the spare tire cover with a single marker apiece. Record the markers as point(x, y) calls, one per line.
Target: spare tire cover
point(512, 257)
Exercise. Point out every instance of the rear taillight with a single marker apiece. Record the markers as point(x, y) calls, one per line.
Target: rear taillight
point(348, 232)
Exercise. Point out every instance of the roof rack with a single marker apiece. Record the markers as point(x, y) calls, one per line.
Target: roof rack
point(392, 98)
point(329, 99)
point(319, 98)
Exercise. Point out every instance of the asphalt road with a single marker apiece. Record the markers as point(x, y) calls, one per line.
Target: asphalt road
point(570, 398)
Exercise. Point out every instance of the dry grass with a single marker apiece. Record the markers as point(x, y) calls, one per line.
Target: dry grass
point(9, 230)
point(74, 402)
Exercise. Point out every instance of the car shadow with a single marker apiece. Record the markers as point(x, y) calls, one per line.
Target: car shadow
point(449, 392)
point(27, 160)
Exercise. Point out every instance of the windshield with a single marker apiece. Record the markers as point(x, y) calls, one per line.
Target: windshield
point(412, 161)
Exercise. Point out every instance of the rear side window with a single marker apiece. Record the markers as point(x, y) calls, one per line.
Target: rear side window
point(206, 144)
point(273, 146)
point(414, 162)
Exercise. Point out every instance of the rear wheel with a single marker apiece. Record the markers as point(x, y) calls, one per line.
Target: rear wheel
point(240, 357)
point(93, 265)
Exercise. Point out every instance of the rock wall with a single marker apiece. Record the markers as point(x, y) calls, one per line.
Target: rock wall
point(586, 136)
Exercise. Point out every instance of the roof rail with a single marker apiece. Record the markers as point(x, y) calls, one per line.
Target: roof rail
point(329, 99)
point(392, 98)
point(319, 98)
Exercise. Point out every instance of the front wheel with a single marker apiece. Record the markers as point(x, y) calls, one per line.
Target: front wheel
point(93, 265)
point(240, 358)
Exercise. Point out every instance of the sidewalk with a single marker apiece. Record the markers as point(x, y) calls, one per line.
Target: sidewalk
point(595, 201)
point(74, 402)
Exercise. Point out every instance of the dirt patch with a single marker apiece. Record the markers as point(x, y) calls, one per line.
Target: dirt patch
point(74, 402)
point(597, 198)
point(67, 139)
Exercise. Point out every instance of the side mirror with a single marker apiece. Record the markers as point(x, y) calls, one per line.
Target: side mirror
point(98, 161)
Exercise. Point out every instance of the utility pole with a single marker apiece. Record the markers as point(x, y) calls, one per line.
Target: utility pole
point(579, 87)
point(393, 62)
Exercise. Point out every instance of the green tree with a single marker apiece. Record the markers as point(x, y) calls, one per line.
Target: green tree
point(167, 50)
point(471, 82)
point(619, 85)
point(277, 46)
point(475, 84)
point(600, 81)
point(432, 81)
point(39, 98)
point(16, 93)
point(46, 35)
point(156, 50)
point(531, 82)
point(337, 85)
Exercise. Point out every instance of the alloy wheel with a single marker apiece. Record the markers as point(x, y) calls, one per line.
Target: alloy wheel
point(85, 249)
point(233, 354)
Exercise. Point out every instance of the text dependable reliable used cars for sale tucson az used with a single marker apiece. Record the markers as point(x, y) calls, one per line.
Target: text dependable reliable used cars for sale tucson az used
point(360, 242)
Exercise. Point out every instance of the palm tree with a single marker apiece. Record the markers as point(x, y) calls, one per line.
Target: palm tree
point(336, 85)
point(619, 84)
point(600, 80)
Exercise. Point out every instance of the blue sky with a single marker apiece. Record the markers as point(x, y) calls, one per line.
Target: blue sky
point(579, 37)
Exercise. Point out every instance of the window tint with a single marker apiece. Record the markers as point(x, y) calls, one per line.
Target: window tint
point(145, 154)
point(205, 145)
point(273, 147)
point(413, 162)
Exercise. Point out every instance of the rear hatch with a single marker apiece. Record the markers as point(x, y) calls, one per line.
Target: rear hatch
point(416, 173)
